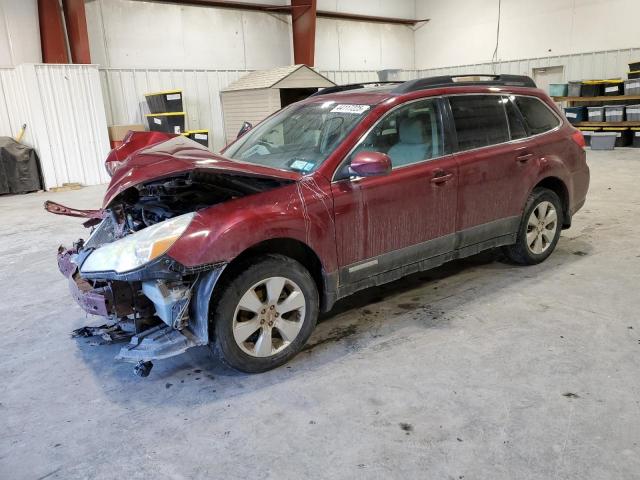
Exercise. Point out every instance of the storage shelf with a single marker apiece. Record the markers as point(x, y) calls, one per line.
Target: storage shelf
point(604, 98)
point(607, 124)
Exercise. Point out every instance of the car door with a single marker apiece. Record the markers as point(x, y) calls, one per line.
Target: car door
point(406, 216)
point(495, 161)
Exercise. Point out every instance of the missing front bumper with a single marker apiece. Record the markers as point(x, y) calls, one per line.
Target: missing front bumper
point(106, 299)
point(184, 311)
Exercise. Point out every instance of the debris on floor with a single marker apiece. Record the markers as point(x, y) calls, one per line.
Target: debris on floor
point(108, 334)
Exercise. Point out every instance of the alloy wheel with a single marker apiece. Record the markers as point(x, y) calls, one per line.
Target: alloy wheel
point(269, 316)
point(541, 227)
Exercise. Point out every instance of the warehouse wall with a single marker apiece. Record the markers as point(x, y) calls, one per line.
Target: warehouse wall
point(19, 32)
point(348, 45)
point(579, 66)
point(363, 46)
point(62, 107)
point(463, 32)
point(122, 35)
point(127, 33)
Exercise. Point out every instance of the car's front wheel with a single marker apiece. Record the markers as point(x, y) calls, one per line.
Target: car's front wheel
point(264, 314)
point(540, 228)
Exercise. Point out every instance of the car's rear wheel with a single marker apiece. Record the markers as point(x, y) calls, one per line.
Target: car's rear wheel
point(540, 228)
point(265, 314)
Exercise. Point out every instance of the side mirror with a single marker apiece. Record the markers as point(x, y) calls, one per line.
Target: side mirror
point(246, 126)
point(370, 164)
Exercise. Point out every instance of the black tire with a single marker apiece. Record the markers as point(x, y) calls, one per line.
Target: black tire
point(520, 252)
point(233, 288)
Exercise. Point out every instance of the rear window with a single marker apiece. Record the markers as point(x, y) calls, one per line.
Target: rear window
point(538, 116)
point(480, 120)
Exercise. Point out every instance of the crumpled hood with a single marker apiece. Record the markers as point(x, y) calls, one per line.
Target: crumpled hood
point(181, 155)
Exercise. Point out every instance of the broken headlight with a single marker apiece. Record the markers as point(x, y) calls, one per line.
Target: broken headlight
point(138, 248)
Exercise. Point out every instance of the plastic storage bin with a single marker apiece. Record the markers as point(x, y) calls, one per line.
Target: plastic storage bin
point(558, 89)
point(614, 113)
point(614, 87)
point(167, 101)
point(632, 87)
point(633, 74)
point(592, 88)
point(623, 136)
point(574, 88)
point(587, 132)
point(200, 136)
point(636, 137)
point(595, 114)
point(575, 114)
point(171, 122)
point(633, 66)
point(603, 140)
point(633, 113)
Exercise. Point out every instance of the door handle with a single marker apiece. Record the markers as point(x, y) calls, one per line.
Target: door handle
point(441, 177)
point(525, 157)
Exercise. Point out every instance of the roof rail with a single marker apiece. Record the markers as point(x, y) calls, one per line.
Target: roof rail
point(450, 80)
point(350, 86)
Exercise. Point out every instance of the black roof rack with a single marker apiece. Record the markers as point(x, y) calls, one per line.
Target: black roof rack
point(350, 86)
point(449, 80)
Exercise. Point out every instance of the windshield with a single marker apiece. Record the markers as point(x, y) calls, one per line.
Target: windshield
point(300, 137)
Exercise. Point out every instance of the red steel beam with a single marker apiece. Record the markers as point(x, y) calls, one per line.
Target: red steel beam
point(303, 24)
point(52, 37)
point(76, 21)
point(289, 9)
point(369, 18)
point(258, 7)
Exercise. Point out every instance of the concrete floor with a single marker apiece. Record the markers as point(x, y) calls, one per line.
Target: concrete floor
point(478, 370)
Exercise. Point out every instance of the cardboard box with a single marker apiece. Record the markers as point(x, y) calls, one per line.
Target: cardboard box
point(117, 132)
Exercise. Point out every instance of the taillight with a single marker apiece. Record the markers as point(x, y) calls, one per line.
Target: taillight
point(579, 139)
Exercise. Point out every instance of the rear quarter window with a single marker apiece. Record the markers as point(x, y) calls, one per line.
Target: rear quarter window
point(480, 120)
point(538, 116)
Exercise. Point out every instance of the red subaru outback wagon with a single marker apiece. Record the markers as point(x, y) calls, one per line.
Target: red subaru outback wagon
point(353, 187)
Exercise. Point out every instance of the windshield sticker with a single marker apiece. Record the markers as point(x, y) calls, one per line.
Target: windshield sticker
point(346, 108)
point(301, 165)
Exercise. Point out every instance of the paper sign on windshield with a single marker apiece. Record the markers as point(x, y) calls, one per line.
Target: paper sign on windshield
point(347, 108)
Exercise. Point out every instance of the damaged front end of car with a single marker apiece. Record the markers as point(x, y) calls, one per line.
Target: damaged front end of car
point(123, 271)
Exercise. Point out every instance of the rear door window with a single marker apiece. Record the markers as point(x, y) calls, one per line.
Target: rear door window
point(538, 116)
point(480, 120)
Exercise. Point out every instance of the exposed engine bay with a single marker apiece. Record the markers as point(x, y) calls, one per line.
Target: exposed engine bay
point(156, 301)
point(149, 203)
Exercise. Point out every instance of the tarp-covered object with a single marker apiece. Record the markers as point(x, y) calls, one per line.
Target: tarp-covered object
point(19, 167)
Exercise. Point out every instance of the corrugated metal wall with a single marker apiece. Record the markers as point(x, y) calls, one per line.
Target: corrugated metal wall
point(63, 108)
point(124, 90)
point(354, 76)
point(582, 66)
point(13, 104)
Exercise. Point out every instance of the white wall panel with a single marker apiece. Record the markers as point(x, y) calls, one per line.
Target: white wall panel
point(348, 45)
point(350, 76)
point(582, 66)
point(63, 109)
point(124, 90)
point(380, 8)
point(134, 34)
point(19, 32)
point(344, 77)
point(462, 32)
point(74, 115)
